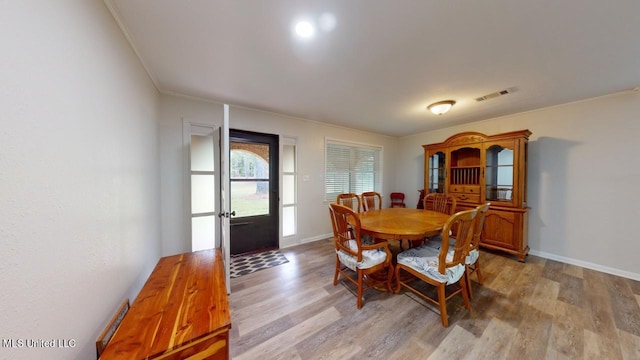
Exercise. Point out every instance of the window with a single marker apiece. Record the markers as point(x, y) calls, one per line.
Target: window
point(289, 176)
point(351, 167)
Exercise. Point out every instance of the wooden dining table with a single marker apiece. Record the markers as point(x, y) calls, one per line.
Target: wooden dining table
point(400, 227)
point(402, 223)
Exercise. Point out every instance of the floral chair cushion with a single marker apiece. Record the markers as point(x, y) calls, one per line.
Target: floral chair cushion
point(370, 258)
point(424, 259)
point(367, 239)
point(437, 243)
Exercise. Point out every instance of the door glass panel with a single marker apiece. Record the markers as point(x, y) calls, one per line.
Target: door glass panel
point(250, 198)
point(437, 172)
point(288, 189)
point(202, 194)
point(202, 232)
point(249, 161)
point(249, 178)
point(201, 153)
point(288, 158)
point(499, 174)
point(288, 220)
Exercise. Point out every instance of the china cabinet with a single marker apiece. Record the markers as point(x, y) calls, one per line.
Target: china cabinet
point(478, 168)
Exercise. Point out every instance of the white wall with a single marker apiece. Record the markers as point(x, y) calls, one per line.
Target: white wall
point(583, 179)
point(79, 188)
point(313, 218)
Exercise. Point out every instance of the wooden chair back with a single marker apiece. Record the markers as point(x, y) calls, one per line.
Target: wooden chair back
point(353, 256)
point(463, 222)
point(371, 200)
point(440, 202)
point(343, 232)
point(479, 225)
point(397, 199)
point(350, 200)
point(473, 262)
point(451, 263)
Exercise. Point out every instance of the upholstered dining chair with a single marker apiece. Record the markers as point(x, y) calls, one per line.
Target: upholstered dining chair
point(441, 268)
point(397, 199)
point(371, 200)
point(350, 200)
point(352, 254)
point(440, 202)
point(472, 261)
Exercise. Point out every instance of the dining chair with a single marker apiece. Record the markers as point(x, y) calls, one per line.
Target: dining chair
point(420, 199)
point(350, 200)
point(353, 255)
point(472, 261)
point(397, 199)
point(440, 202)
point(440, 268)
point(371, 200)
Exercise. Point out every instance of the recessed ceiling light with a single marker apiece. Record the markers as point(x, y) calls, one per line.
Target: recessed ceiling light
point(305, 29)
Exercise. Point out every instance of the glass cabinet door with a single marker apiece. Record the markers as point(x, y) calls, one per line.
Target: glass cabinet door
point(499, 173)
point(437, 172)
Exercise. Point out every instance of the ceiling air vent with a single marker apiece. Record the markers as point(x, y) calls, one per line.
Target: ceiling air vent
point(495, 94)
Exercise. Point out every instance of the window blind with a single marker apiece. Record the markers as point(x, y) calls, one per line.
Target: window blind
point(351, 168)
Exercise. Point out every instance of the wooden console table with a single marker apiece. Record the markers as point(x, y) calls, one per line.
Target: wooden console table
point(181, 311)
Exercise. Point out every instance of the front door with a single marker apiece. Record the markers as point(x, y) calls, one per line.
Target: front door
point(253, 161)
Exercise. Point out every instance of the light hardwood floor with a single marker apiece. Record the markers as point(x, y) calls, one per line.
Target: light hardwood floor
point(541, 309)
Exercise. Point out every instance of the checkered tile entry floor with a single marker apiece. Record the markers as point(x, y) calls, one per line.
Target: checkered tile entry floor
point(246, 264)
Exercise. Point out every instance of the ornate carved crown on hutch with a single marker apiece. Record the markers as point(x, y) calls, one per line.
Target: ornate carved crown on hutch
point(476, 168)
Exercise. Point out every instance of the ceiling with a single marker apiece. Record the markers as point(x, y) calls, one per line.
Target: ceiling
point(382, 62)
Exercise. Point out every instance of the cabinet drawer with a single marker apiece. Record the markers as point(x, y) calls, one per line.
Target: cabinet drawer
point(469, 189)
point(472, 189)
point(467, 198)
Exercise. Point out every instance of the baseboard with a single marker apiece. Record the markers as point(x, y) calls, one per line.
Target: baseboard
point(284, 245)
point(588, 265)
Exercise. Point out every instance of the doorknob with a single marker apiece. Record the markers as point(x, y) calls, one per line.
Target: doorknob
point(227, 214)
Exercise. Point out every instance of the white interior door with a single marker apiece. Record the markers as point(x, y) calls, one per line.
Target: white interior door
point(224, 214)
point(207, 174)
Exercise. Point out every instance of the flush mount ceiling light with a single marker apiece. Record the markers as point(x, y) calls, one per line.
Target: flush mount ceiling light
point(441, 107)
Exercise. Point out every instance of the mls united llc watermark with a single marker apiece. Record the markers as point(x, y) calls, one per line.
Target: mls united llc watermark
point(38, 343)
